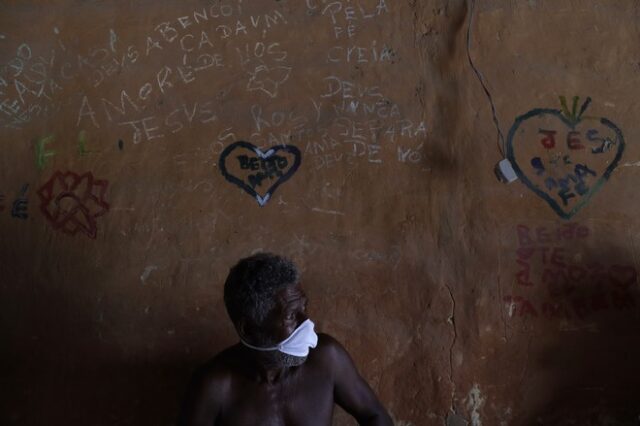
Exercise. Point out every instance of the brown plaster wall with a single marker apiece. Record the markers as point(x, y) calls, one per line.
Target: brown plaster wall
point(462, 299)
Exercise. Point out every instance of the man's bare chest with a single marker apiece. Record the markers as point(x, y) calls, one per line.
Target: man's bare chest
point(301, 401)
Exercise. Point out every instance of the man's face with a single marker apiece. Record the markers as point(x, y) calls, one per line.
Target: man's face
point(290, 311)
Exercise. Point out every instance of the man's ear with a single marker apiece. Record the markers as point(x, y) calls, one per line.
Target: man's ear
point(246, 330)
point(241, 328)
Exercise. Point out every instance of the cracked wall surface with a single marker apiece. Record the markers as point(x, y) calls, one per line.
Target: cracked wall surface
point(150, 145)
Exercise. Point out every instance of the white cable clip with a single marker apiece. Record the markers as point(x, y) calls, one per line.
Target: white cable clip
point(504, 171)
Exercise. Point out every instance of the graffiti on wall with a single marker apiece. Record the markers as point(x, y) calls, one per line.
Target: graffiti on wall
point(259, 173)
point(564, 156)
point(42, 152)
point(20, 206)
point(73, 202)
point(557, 278)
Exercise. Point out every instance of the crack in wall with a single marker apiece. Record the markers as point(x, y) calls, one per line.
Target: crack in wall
point(452, 320)
point(525, 366)
point(501, 297)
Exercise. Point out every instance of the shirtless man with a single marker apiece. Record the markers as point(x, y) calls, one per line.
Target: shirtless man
point(281, 373)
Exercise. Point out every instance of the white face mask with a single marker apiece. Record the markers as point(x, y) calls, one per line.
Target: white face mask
point(297, 344)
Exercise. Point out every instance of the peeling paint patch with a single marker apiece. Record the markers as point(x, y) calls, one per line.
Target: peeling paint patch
point(454, 419)
point(333, 212)
point(147, 271)
point(475, 401)
point(397, 422)
point(504, 421)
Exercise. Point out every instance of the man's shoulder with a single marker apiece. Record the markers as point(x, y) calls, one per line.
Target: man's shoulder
point(329, 349)
point(327, 342)
point(219, 370)
point(331, 359)
point(224, 367)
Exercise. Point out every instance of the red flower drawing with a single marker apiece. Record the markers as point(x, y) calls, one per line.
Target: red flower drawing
point(72, 202)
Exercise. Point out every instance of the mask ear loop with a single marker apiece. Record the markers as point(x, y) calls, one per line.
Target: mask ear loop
point(257, 348)
point(274, 348)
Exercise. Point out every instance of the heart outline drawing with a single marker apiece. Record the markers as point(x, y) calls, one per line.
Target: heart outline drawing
point(571, 120)
point(261, 199)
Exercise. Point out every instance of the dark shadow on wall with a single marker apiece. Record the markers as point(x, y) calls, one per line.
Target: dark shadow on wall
point(145, 394)
point(590, 374)
point(55, 368)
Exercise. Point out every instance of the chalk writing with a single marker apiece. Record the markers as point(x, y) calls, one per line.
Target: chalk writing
point(372, 53)
point(275, 127)
point(348, 139)
point(564, 157)
point(346, 15)
point(265, 121)
point(72, 202)
point(152, 126)
point(410, 155)
point(358, 100)
point(200, 30)
point(126, 104)
point(264, 63)
point(27, 87)
point(246, 166)
point(221, 20)
point(21, 204)
point(102, 63)
point(94, 65)
point(348, 122)
point(199, 54)
point(31, 83)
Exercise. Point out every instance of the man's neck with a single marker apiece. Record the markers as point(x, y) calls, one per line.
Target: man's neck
point(272, 376)
point(262, 371)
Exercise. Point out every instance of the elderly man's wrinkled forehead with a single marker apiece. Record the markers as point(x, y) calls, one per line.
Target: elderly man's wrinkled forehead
point(291, 297)
point(293, 294)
